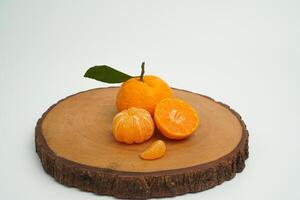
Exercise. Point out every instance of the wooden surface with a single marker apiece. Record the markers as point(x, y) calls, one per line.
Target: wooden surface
point(77, 132)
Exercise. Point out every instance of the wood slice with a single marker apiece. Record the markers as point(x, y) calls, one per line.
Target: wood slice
point(75, 144)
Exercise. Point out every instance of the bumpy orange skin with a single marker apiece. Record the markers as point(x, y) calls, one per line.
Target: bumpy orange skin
point(134, 125)
point(175, 118)
point(156, 150)
point(142, 94)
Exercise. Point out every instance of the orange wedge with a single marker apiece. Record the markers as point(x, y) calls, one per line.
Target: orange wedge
point(156, 150)
point(175, 118)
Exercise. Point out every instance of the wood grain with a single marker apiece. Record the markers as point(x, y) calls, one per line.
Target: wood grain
point(76, 146)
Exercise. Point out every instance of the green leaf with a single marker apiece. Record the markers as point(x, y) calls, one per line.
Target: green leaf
point(106, 74)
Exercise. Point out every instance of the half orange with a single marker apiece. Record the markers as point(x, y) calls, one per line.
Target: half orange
point(175, 118)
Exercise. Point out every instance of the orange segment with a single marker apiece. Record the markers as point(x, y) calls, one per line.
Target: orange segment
point(175, 118)
point(156, 150)
point(134, 125)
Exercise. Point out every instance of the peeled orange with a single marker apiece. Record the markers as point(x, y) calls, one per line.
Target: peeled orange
point(175, 118)
point(134, 125)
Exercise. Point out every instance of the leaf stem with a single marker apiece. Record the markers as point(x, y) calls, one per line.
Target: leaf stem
point(142, 72)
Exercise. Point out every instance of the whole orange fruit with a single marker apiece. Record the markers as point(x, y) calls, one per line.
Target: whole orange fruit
point(134, 125)
point(144, 93)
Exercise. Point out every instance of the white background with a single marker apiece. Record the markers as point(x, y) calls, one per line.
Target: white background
point(243, 53)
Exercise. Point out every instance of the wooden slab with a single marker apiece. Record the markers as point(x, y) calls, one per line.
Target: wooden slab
point(75, 143)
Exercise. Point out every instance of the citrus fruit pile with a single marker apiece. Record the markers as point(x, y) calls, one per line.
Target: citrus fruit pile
point(146, 102)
